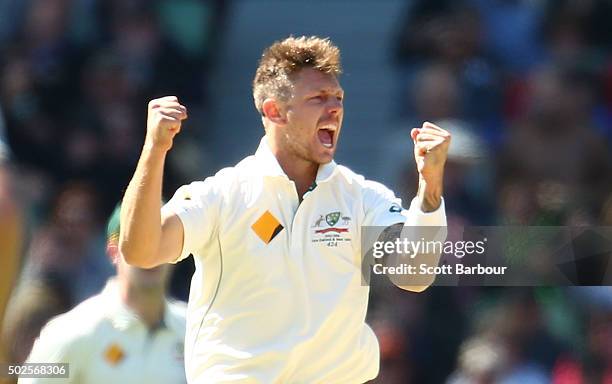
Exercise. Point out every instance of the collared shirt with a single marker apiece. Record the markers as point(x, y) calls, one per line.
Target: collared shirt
point(103, 341)
point(277, 295)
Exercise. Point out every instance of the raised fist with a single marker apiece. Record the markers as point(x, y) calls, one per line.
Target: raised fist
point(430, 150)
point(164, 120)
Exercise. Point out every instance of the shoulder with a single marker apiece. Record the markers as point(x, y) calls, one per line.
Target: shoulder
point(66, 334)
point(224, 179)
point(207, 190)
point(369, 188)
point(349, 175)
point(80, 321)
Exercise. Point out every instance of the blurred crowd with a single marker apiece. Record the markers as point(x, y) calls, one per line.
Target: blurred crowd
point(524, 86)
point(74, 79)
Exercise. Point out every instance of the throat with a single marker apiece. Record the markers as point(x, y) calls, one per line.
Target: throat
point(301, 193)
point(302, 173)
point(299, 170)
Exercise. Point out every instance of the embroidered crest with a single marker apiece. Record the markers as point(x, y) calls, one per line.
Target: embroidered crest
point(332, 218)
point(336, 231)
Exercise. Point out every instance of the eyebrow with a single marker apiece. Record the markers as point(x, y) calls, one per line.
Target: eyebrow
point(327, 90)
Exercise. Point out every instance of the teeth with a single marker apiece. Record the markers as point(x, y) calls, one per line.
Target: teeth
point(332, 128)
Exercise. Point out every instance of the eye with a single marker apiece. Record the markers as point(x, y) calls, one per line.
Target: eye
point(316, 98)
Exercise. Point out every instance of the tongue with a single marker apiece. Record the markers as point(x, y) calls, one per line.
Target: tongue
point(325, 136)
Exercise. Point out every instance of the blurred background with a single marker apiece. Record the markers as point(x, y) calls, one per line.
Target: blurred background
point(524, 86)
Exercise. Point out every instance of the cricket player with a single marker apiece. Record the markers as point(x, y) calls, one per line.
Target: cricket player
point(277, 296)
point(129, 333)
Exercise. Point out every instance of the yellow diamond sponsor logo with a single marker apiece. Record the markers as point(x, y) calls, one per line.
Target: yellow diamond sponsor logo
point(267, 227)
point(114, 354)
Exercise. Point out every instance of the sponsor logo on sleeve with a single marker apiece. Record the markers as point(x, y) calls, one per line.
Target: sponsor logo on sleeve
point(395, 208)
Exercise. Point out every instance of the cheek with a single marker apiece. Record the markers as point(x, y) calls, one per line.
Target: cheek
point(305, 118)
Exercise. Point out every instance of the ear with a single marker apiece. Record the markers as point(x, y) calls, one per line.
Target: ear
point(272, 111)
point(112, 250)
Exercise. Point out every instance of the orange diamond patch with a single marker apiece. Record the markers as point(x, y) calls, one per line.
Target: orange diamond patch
point(114, 354)
point(267, 227)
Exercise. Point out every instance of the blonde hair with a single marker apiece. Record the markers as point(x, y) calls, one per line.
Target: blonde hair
point(285, 58)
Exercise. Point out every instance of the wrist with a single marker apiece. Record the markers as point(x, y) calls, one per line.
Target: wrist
point(430, 194)
point(154, 149)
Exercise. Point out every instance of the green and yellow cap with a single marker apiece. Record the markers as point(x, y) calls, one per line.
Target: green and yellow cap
point(112, 228)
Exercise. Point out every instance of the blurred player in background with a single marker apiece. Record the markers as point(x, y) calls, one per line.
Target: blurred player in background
point(277, 294)
point(129, 333)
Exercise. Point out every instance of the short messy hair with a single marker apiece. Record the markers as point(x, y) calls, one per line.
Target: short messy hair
point(285, 58)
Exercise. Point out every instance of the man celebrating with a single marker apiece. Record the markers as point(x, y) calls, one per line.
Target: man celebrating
point(277, 293)
point(129, 333)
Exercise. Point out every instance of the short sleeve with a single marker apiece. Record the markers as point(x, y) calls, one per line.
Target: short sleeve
point(381, 206)
point(417, 218)
point(197, 206)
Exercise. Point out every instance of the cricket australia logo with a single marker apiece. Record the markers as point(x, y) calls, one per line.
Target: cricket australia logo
point(331, 229)
point(332, 218)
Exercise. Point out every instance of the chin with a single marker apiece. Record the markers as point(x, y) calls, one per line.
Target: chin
point(324, 158)
point(322, 155)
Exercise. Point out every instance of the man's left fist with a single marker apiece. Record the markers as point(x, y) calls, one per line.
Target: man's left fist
point(430, 151)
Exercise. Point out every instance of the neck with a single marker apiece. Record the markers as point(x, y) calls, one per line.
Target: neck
point(301, 171)
point(147, 302)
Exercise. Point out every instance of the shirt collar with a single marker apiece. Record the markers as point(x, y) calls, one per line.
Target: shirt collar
point(271, 167)
point(122, 316)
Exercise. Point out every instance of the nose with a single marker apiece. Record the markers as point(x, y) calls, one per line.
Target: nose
point(334, 106)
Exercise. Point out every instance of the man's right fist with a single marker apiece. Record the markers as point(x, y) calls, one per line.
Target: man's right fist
point(164, 120)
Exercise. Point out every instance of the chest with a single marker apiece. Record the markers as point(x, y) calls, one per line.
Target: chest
point(133, 355)
point(270, 226)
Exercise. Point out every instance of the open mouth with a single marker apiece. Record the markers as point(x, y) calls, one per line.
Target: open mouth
point(326, 135)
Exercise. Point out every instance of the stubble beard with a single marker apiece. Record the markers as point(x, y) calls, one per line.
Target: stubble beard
point(299, 152)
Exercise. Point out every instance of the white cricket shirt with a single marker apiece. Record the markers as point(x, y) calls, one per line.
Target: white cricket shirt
point(104, 342)
point(277, 296)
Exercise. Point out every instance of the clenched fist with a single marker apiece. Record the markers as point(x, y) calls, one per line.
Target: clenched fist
point(430, 150)
point(164, 120)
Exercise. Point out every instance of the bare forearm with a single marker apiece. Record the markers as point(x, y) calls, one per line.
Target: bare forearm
point(429, 194)
point(140, 238)
point(140, 211)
